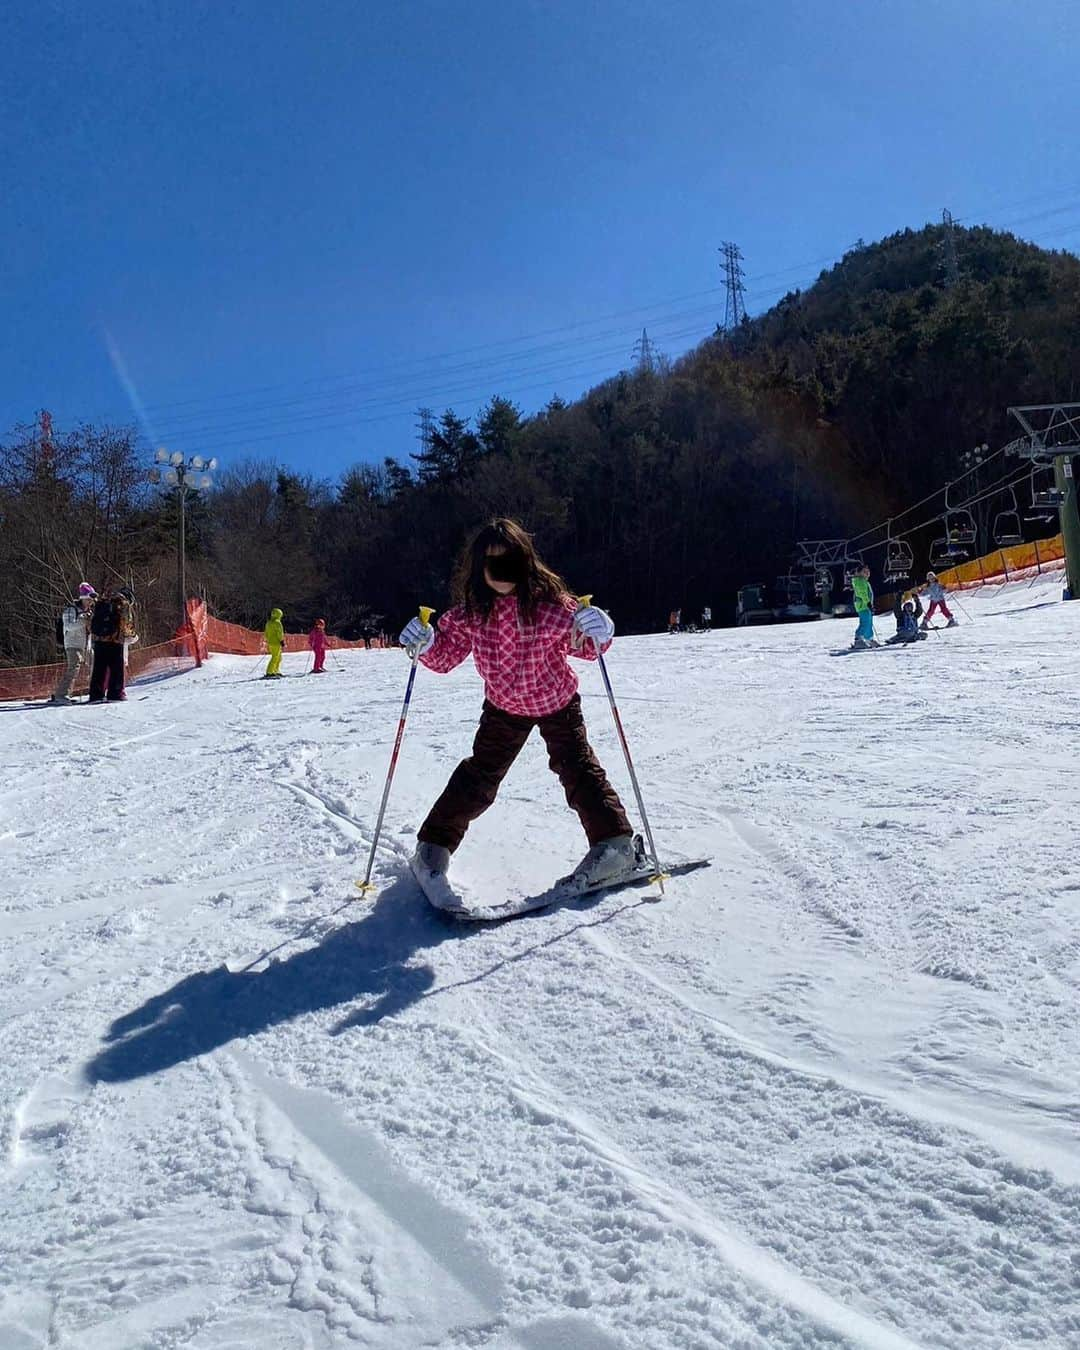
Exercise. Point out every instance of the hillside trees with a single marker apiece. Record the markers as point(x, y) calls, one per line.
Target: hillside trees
point(842, 405)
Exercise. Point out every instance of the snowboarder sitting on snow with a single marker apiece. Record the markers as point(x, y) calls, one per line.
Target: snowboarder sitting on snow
point(317, 641)
point(864, 607)
point(906, 611)
point(275, 640)
point(936, 595)
point(519, 621)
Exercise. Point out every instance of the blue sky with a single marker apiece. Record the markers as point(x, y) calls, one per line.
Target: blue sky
point(280, 226)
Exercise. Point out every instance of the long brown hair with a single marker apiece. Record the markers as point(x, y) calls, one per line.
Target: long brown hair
point(539, 582)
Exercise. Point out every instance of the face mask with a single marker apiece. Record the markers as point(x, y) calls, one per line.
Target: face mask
point(506, 567)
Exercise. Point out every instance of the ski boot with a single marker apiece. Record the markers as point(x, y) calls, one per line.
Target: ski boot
point(607, 861)
point(430, 865)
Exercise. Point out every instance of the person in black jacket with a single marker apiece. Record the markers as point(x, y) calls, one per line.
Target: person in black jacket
point(907, 612)
point(112, 626)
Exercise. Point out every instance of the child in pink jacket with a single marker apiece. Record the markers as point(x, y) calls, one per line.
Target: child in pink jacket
point(520, 623)
point(318, 644)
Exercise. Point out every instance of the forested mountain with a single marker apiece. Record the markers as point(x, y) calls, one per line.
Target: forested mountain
point(662, 486)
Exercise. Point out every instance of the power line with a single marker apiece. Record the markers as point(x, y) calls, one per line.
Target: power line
point(891, 520)
point(383, 388)
point(562, 328)
point(999, 486)
point(466, 394)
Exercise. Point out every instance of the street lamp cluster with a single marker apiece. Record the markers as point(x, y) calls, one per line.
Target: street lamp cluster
point(186, 474)
point(182, 471)
point(971, 462)
point(973, 458)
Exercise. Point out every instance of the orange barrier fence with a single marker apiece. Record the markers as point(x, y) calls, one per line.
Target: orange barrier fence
point(30, 682)
point(1007, 564)
point(203, 636)
point(215, 635)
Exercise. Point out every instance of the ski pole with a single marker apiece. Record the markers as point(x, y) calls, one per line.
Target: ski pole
point(661, 876)
point(366, 885)
point(961, 608)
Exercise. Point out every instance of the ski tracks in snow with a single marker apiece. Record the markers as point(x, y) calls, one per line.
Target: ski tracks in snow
point(821, 1094)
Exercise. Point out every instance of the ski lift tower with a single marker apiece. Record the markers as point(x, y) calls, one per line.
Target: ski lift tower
point(1052, 436)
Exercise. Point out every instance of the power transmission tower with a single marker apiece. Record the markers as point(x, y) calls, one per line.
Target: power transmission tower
point(735, 303)
point(646, 356)
point(425, 429)
point(949, 264)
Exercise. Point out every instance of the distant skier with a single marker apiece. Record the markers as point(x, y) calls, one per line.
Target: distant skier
point(112, 627)
point(706, 617)
point(520, 622)
point(73, 633)
point(864, 607)
point(275, 640)
point(318, 643)
point(675, 621)
point(936, 595)
point(906, 611)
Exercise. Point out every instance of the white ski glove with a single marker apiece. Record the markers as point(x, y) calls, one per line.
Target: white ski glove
point(594, 624)
point(417, 637)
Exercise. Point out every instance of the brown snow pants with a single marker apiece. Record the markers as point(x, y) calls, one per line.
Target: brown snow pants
point(499, 738)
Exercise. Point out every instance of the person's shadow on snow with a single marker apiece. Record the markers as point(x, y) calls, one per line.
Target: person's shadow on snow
point(372, 956)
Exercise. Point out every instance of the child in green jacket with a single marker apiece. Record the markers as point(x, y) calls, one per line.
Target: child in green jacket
point(864, 607)
point(275, 640)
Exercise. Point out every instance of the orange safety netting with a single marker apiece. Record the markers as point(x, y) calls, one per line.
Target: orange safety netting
point(32, 682)
point(215, 635)
point(1007, 564)
point(203, 636)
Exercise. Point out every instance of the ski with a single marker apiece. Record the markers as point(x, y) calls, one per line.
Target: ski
point(881, 647)
point(442, 895)
point(564, 895)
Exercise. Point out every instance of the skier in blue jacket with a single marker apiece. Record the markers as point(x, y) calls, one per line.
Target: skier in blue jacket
point(907, 611)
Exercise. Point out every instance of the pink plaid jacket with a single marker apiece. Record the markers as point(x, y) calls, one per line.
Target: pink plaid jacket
point(523, 666)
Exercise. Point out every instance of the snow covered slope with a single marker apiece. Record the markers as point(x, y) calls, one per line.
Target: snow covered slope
point(825, 1093)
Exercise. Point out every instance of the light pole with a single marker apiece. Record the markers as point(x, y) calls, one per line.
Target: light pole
point(972, 461)
point(186, 474)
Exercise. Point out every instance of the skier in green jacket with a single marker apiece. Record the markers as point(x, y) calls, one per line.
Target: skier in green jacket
point(864, 607)
point(275, 640)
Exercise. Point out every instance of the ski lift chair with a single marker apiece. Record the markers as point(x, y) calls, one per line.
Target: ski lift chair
point(961, 532)
point(1044, 500)
point(1007, 528)
point(899, 560)
point(852, 563)
point(823, 582)
point(941, 554)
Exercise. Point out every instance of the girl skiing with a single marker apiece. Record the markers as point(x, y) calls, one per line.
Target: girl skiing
point(936, 595)
point(520, 622)
point(318, 644)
